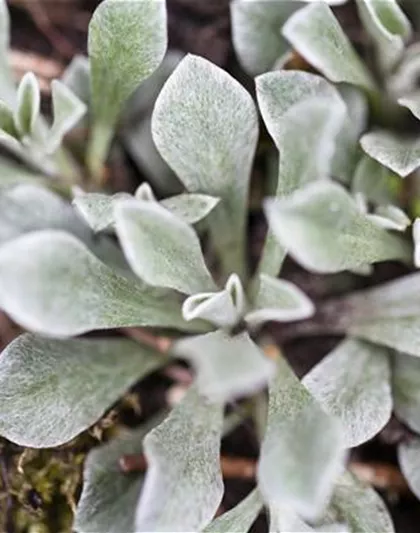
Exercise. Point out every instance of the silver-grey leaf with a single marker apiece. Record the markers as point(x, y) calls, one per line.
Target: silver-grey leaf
point(353, 383)
point(183, 486)
point(388, 27)
point(359, 506)
point(109, 496)
point(316, 34)
point(405, 389)
point(256, 32)
point(278, 299)
point(227, 366)
point(190, 207)
point(127, 42)
point(400, 154)
point(87, 294)
point(409, 459)
point(52, 390)
point(387, 314)
point(322, 228)
point(7, 85)
point(162, 250)
point(28, 105)
point(240, 518)
point(302, 453)
point(208, 136)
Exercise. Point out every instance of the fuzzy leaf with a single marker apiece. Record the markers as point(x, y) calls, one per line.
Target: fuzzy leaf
point(323, 229)
point(303, 450)
point(183, 486)
point(316, 34)
point(98, 208)
point(240, 518)
point(347, 149)
point(387, 26)
point(359, 506)
point(406, 391)
point(28, 105)
point(7, 123)
point(411, 102)
point(223, 308)
point(227, 367)
point(12, 174)
point(190, 207)
point(284, 519)
point(303, 113)
point(390, 217)
point(127, 42)
point(400, 154)
point(256, 32)
point(161, 249)
point(109, 496)
point(353, 384)
point(87, 294)
point(374, 181)
point(7, 85)
point(77, 78)
point(208, 137)
point(42, 403)
point(387, 315)
point(280, 300)
point(409, 458)
point(68, 110)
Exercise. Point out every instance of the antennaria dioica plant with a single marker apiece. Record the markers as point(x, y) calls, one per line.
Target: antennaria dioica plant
point(334, 203)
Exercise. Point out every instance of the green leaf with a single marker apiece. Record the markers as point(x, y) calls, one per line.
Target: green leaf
point(28, 105)
point(12, 174)
point(359, 506)
point(98, 208)
point(223, 308)
point(7, 124)
point(284, 519)
point(161, 249)
point(400, 154)
point(390, 217)
point(280, 300)
point(240, 518)
point(388, 28)
point(256, 32)
point(127, 42)
point(7, 85)
point(405, 389)
point(303, 114)
point(347, 149)
point(109, 496)
point(227, 367)
point(183, 486)
point(316, 34)
point(77, 78)
point(87, 294)
point(303, 450)
point(323, 230)
point(52, 390)
point(411, 102)
point(387, 315)
point(68, 110)
point(190, 208)
point(208, 136)
point(374, 181)
point(409, 458)
point(353, 384)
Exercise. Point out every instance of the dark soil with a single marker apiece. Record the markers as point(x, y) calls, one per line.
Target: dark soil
point(57, 30)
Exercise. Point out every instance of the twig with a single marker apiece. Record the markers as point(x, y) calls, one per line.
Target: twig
point(44, 69)
point(161, 344)
point(381, 476)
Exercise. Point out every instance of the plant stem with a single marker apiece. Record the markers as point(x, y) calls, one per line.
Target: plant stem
point(98, 146)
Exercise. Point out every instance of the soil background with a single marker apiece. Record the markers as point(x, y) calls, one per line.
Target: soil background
point(56, 30)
